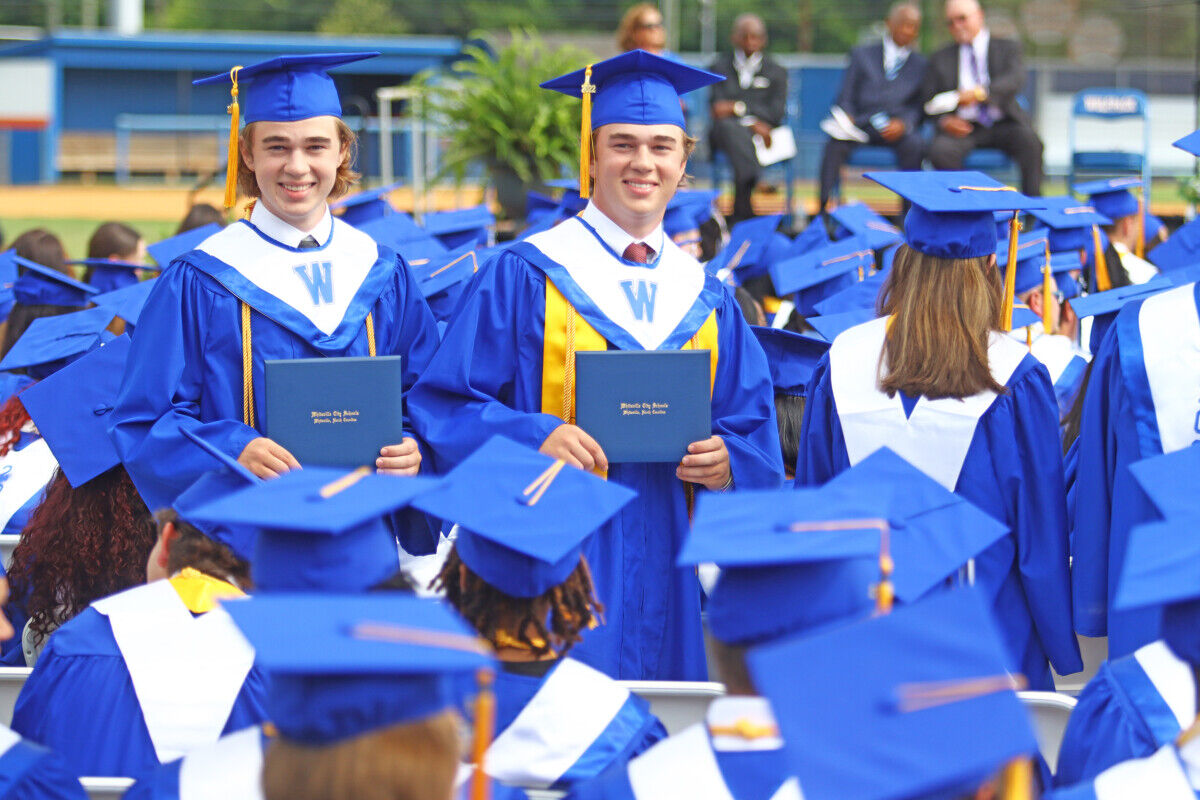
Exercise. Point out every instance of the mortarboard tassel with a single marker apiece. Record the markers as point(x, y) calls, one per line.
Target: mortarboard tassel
point(1103, 282)
point(1018, 779)
point(231, 167)
point(1139, 246)
point(1047, 321)
point(585, 134)
point(485, 720)
point(1010, 274)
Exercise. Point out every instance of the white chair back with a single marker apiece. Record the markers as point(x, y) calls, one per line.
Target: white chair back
point(106, 788)
point(11, 681)
point(1095, 652)
point(677, 703)
point(1050, 712)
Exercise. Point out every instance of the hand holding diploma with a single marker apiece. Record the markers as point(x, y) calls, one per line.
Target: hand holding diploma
point(706, 463)
point(267, 459)
point(573, 445)
point(399, 459)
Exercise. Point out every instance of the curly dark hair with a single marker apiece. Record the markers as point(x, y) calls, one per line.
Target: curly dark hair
point(571, 607)
point(13, 417)
point(194, 549)
point(80, 545)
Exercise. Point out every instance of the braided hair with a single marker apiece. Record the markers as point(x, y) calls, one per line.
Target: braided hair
point(570, 608)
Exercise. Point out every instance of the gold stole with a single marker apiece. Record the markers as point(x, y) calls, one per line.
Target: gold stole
point(248, 362)
point(200, 592)
point(567, 333)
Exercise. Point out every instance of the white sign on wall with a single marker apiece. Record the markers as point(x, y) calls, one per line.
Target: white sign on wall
point(28, 97)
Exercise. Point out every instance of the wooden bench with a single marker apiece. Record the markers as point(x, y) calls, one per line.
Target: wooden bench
point(171, 155)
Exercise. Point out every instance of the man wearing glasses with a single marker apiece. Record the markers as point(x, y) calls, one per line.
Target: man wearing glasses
point(971, 90)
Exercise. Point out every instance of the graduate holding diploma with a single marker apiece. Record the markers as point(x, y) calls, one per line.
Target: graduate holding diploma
point(610, 279)
point(289, 282)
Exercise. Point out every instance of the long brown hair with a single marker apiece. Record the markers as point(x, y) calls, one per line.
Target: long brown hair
point(413, 761)
point(945, 310)
point(571, 608)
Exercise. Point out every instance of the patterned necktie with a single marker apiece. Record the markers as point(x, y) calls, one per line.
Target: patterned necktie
point(985, 114)
point(638, 253)
point(308, 243)
point(898, 62)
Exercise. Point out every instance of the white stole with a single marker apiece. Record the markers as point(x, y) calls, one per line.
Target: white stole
point(229, 769)
point(573, 707)
point(25, 472)
point(1160, 776)
point(186, 671)
point(1056, 353)
point(319, 283)
point(672, 285)
point(1170, 332)
point(683, 767)
point(1172, 678)
point(935, 438)
point(8, 739)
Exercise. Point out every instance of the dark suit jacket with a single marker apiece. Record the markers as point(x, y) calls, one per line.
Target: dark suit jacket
point(767, 96)
point(1006, 73)
point(867, 91)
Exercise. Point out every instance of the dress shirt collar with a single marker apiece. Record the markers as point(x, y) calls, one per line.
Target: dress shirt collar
point(275, 228)
point(614, 235)
point(746, 66)
point(893, 53)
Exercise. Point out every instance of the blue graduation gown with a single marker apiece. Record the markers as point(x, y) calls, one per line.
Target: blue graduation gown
point(80, 702)
point(185, 363)
point(1122, 714)
point(29, 771)
point(486, 379)
point(1167, 774)
point(1117, 428)
point(1013, 471)
point(613, 724)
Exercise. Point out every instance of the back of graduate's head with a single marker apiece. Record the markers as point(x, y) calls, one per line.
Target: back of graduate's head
point(944, 312)
point(252, 144)
point(114, 240)
point(410, 761)
point(789, 415)
point(199, 215)
point(81, 544)
point(553, 621)
point(43, 247)
point(180, 545)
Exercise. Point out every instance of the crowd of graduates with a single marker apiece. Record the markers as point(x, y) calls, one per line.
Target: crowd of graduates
point(940, 451)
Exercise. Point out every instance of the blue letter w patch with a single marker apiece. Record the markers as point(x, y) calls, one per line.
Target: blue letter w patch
point(317, 280)
point(641, 301)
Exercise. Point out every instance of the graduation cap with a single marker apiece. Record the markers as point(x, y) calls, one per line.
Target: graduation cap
point(636, 87)
point(523, 517)
point(281, 89)
point(1189, 143)
point(816, 275)
point(1162, 569)
point(363, 662)
point(444, 277)
point(687, 211)
point(748, 241)
point(109, 275)
point(127, 303)
point(1113, 197)
point(901, 706)
point(1103, 306)
point(1151, 225)
point(1072, 224)
point(50, 343)
point(71, 410)
point(858, 219)
point(8, 278)
point(881, 506)
point(400, 232)
point(1182, 249)
point(858, 296)
point(319, 529)
point(791, 357)
point(953, 215)
point(41, 285)
point(828, 326)
point(1033, 259)
point(1169, 480)
point(1003, 220)
point(464, 226)
point(365, 206)
point(173, 247)
point(1061, 266)
point(226, 477)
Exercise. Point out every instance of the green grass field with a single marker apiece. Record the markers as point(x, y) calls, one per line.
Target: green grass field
point(75, 233)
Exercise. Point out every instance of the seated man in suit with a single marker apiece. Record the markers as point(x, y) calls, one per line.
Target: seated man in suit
point(881, 93)
point(975, 83)
point(751, 101)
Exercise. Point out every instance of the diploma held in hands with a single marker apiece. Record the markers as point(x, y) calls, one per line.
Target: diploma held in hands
point(644, 406)
point(335, 412)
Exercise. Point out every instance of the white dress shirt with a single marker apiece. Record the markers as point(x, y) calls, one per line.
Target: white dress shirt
point(614, 235)
point(893, 55)
point(275, 228)
point(966, 70)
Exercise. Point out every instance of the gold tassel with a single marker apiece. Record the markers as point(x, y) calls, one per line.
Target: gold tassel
point(1103, 282)
point(1018, 779)
point(1047, 276)
point(1139, 247)
point(1010, 274)
point(231, 168)
point(885, 592)
point(485, 720)
point(585, 134)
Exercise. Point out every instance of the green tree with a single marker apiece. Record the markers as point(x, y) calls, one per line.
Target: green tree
point(363, 17)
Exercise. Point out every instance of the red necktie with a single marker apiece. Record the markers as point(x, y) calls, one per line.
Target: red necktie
point(638, 253)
